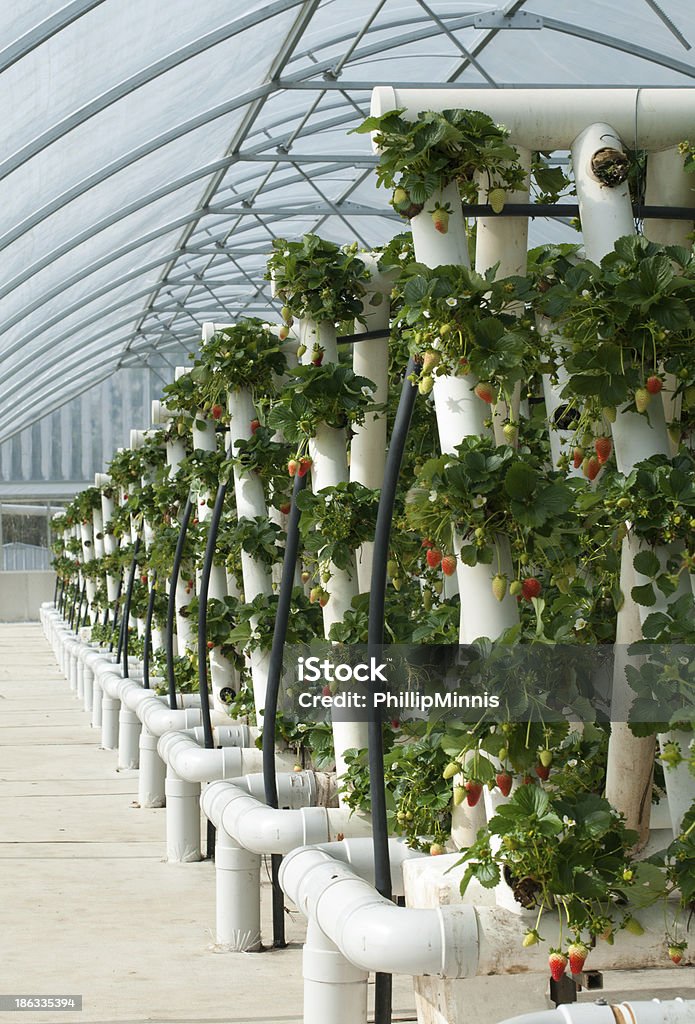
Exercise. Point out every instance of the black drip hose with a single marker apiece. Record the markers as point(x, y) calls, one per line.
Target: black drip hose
point(126, 607)
point(147, 639)
point(271, 697)
point(73, 607)
point(115, 616)
point(213, 530)
point(55, 591)
point(377, 600)
point(78, 621)
point(171, 607)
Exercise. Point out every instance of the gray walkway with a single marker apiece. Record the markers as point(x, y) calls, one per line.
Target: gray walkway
point(89, 907)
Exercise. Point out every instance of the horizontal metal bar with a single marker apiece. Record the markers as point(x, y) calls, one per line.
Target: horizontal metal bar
point(555, 210)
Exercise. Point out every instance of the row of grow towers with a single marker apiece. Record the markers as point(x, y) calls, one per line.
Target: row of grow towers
point(546, 503)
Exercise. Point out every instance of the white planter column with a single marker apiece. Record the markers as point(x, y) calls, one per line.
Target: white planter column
point(606, 215)
point(328, 451)
point(250, 504)
point(460, 414)
point(669, 184)
point(370, 359)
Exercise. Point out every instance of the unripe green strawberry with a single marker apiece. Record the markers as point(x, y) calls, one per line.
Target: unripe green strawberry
point(459, 795)
point(609, 413)
point(674, 432)
point(400, 196)
point(427, 599)
point(642, 399)
point(301, 350)
point(675, 952)
point(499, 586)
point(531, 938)
point(430, 360)
point(515, 588)
point(392, 567)
point(546, 758)
point(511, 432)
point(425, 384)
point(440, 219)
point(453, 768)
point(633, 926)
point(496, 197)
point(286, 314)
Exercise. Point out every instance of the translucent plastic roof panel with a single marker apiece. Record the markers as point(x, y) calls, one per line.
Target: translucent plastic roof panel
point(153, 151)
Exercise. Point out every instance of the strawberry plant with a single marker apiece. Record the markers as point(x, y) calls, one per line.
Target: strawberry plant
point(318, 280)
point(456, 321)
point(420, 157)
point(337, 520)
point(330, 394)
point(245, 355)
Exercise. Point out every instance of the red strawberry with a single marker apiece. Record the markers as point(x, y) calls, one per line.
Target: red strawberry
point(210, 645)
point(440, 219)
point(285, 509)
point(449, 565)
point(255, 424)
point(592, 467)
point(434, 557)
point(577, 954)
point(578, 457)
point(473, 792)
point(317, 356)
point(326, 691)
point(292, 467)
point(530, 588)
point(304, 465)
point(427, 543)
point(557, 962)
point(654, 384)
point(504, 782)
point(485, 392)
point(217, 411)
point(603, 448)
point(324, 599)
point(542, 771)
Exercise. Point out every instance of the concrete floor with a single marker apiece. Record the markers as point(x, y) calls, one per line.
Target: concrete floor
point(89, 907)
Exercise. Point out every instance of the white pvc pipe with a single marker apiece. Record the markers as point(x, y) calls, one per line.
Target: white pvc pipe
point(677, 1011)
point(549, 119)
point(263, 829)
point(152, 773)
point(449, 941)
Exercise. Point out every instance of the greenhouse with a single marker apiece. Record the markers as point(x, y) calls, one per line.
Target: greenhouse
point(347, 512)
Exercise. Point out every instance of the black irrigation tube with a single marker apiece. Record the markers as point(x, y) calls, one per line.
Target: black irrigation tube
point(171, 607)
point(203, 589)
point(375, 639)
point(80, 607)
point(115, 615)
point(147, 639)
point(74, 603)
point(55, 591)
point(282, 617)
point(213, 530)
point(126, 606)
point(555, 210)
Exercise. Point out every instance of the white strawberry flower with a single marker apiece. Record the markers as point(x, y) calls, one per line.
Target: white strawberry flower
point(433, 496)
point(452, 301)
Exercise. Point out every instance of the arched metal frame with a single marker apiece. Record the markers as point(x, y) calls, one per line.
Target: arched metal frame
point(260, 187)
